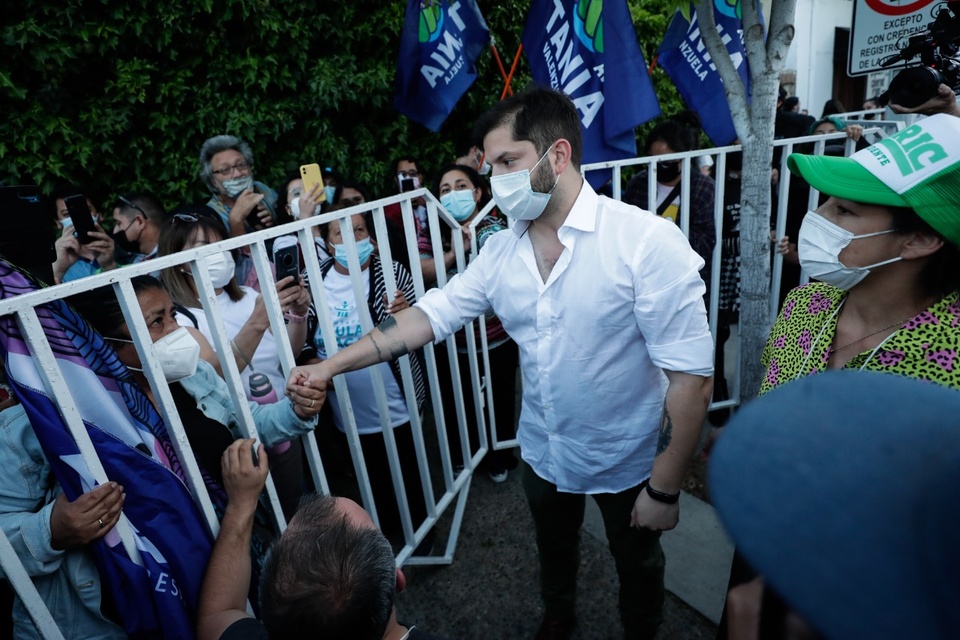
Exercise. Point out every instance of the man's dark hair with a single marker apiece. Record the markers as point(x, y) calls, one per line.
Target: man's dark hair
point(409, 159)
point(325, 578)
point(538, 114)
point(144, 204)
point(61, 192)
point(680, 133)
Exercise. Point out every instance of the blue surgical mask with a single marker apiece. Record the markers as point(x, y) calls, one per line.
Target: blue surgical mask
point(330, 192)
point(460, 204)
point(364, 251)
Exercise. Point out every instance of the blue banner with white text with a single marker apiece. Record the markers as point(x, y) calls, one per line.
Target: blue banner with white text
point(572, 45)
point(684, 57)
point(439, 48)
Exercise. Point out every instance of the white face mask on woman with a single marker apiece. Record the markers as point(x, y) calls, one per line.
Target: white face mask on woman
point(221, 268)
point(178, 353)
point(819, 245)
point(514, 194)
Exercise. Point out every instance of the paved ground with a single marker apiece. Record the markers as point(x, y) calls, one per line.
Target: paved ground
point(490, 591)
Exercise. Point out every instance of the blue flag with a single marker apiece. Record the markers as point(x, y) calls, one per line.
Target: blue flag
point(159, 599)
point(439, 48)
point(684, 57)
point(572, 46)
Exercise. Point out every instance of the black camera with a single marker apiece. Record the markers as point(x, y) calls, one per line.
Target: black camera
point(937, 45)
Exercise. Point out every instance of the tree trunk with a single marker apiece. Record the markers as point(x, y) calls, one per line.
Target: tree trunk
point(754, 121)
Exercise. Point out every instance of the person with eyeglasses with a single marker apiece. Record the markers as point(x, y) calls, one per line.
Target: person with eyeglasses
point(247, 323)
point(226, 168)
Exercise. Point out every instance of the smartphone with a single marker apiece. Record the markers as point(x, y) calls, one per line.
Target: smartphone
point(80, 215)
point(310, 174)
point(286, 259)
point(407, 184)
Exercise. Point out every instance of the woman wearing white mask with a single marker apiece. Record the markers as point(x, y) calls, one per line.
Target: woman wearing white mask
point(345, 312)
point(246, 322)
point(297, 203)
point(461, 191)
point(884, 248)
point(200, 394)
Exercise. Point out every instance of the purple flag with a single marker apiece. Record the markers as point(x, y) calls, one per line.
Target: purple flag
point(159, 599)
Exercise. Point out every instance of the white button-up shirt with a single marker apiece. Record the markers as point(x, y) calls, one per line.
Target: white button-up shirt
point(623, 302)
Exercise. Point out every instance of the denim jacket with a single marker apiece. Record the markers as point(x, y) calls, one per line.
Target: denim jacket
point(68, 581)
point(275, 422)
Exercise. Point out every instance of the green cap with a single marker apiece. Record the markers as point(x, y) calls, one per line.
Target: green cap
point(918, 168)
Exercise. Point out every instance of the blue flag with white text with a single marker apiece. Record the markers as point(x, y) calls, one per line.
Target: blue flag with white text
point(439, 48)
point(158, 599)
point(684, 57)
point(572, 45)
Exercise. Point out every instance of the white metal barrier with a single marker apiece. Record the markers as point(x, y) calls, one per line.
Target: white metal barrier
point(452, 486)
point(687, 159)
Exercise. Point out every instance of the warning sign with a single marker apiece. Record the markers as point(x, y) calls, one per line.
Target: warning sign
point(878, 25)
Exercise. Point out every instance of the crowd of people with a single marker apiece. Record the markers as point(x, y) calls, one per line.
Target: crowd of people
point(618, 420)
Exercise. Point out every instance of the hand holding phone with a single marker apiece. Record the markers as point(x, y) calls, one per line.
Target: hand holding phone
point(286, 259)
point(310, 174)
point(80, 216)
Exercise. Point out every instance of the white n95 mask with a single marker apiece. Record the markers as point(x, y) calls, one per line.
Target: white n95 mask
point(178, 353)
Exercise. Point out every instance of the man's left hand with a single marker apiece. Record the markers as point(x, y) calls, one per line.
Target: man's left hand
point(657, 516)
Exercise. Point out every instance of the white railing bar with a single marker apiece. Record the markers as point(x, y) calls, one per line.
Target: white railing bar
point(231, 372)
point(140, 334)
point(16, 574)
point(56, 388)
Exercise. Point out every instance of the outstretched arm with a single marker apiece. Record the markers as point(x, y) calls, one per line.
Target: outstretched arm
point(398, 335)
point(223, 597)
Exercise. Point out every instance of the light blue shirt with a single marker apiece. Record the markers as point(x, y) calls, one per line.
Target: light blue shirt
point(623, 302)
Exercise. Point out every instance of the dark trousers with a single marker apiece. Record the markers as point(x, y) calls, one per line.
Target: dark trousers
point(558, 516)
point(504, 361)
point(381, 483)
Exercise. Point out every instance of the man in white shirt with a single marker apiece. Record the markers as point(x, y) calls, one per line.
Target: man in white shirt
point(605, 303)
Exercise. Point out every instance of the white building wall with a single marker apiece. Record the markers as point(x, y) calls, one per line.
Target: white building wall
point(811, 54)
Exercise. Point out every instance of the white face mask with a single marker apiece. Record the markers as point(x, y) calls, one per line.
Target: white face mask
point(178, 353)
point(221, 268)
point(460, 204)
point(235, 186)
point(514, 194)
point(484, 168)
point(819, 246)
point(295, 208)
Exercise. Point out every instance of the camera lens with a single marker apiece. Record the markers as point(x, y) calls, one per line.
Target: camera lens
point(914, 86)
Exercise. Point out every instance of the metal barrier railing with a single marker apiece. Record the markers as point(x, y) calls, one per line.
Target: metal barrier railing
point(687, 159)
point(454, 486)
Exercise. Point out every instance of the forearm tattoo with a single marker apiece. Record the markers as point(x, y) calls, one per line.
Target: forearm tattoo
point(395, 342)
point(666, 432)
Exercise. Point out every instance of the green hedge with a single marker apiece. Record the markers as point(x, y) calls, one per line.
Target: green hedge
point(117, 96)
